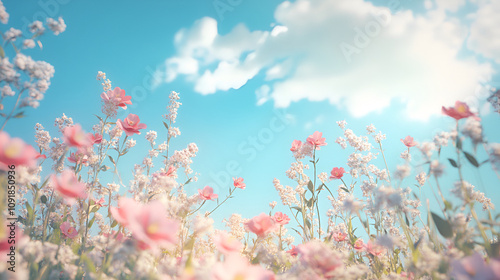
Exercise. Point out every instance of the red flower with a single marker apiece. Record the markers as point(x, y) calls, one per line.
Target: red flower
point(337, 173)
point(460, 111)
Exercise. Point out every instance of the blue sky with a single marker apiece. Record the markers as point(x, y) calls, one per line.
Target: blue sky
point(293, 55)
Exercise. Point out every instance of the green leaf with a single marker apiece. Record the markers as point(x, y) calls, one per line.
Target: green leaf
point(88, 263)
point(442, 225)
point(447, 205)
point(453, 162)
point(30, 211)
point(19, 115)
point(114, 224)
point(345, 189)
point(2, 52)
point(43, 199)
point(99, 118)
point(308, 223)
point(471, 159)
point(459, 143)
point(91, 222)
point(166, 125)
point(310, 202)
point(310, 186)
point(111, 159)
point(297, 208)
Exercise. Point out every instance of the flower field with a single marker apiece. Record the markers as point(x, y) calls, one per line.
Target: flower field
point(68, 214)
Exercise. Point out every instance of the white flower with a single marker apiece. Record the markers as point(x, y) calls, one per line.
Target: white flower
point(56, 26)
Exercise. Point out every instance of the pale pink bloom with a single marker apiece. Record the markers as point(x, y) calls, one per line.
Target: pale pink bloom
point(68, 186)
point(321, 259)
point(207, 193)
point(127, 207)
point(238, 182)
point(95, 138)
point(68, 230)
point(150, 225)
point(100, 202)
point(409, 142)
point(117, 97)
point(227, 244)
point(339, 236)
point(237, 267)
point(337, 173)
point(74, 136)
point(131, 125)
point(118, 236)
point(359, 245)
point(296, 144)
point(460, 111)
point(171, 171)
point(78, 158)
point(294, 251)
point(316, 139)
point(261, 225)
point(474, 267)
point(14, 151)
point(373, 248)
point(281, 219)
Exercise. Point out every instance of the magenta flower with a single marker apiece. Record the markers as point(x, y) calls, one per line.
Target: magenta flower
point(74, 136)
point(116, 97)
point(281, 219)
point(460, 111)
point(337, 173)
point(68, 186)
point(68, 230)
point(131, 125)
point(207, 193)
point(261, 225)
point(409, 142)
point(227, 244)
point(296, 144)
point(316, 139)
point(238, 183)
point(14, 151)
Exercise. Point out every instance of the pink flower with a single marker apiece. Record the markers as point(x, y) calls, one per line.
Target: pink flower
point(460, 111)
point(359, 245)
point(68, 230)
point(171, 171)
point(130, 125)
point(409, 142)
point(316, 139)
point(294, 251)
point(281, 219)
point(100, 202)
point(373, 248)
point(296, 144)
point(261, 225)
point(320, 258)
point(474, 267)
point(238, 182)
point(78, 158)
point(95, 138)
point(337, 173)
point(127, 207)
point(14, 151)
point(151, 226)
point(68, 186)
point(117, 97)
point(237, 267)
point(227, 244)
point(340, 236)
point(207, 193)
point(118, 236)
point(74, 136)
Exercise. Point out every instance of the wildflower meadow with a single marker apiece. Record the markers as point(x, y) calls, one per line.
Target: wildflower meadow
point(77, 205)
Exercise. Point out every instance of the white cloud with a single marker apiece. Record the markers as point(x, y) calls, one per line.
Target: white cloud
point(351, 53)
point(485, 32)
